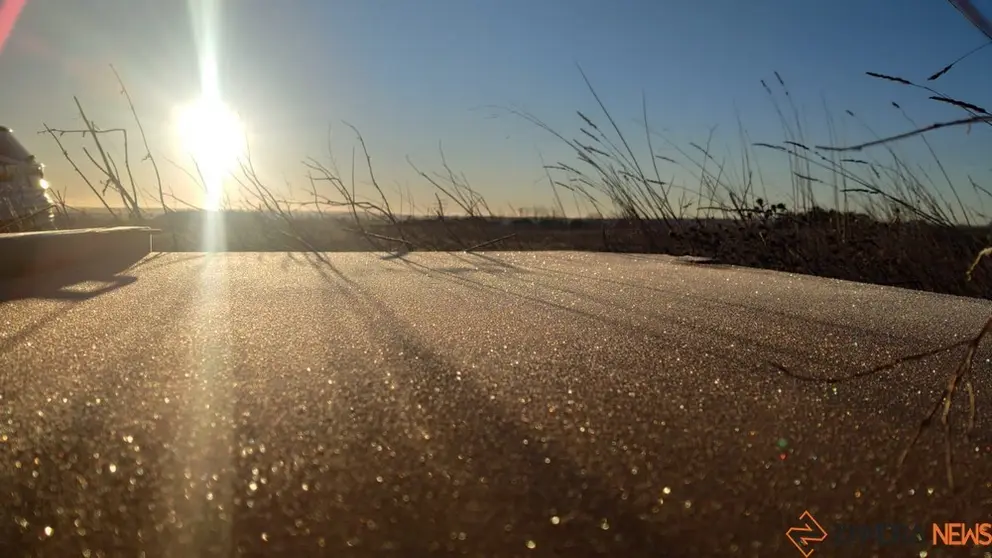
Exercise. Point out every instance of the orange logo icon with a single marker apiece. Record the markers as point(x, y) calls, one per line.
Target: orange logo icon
point(810, 532)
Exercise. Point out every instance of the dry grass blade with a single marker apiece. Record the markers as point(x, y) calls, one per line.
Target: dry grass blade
point(490, 242)
point(971, 408)
point(973, 15)
point(945, 400)
point(144, 139)
point(375, 183)
point(940, 164)
point(948, 67)
point(925, 129)
point(130, 203)
point(55, 134)
point(981, 255)
point(957, 103)
point(960, 376)
point(16, 223)
point(875, 370)
point(403, 241)
point(889, 78)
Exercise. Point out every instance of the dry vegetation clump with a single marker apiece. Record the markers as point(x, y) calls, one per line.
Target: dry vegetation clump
point(950, 242)
point(889, 226)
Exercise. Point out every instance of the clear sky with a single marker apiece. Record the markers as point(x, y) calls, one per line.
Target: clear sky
point(412, 74)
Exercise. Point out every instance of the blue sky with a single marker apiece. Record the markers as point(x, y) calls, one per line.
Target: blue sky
point(412, 74)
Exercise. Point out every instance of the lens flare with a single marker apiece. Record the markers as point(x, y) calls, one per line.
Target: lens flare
point(9, 12)
point(214, 136)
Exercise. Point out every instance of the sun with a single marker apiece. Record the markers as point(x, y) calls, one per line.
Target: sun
point(214, 135)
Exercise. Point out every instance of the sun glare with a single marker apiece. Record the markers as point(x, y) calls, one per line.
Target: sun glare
point(214, 136)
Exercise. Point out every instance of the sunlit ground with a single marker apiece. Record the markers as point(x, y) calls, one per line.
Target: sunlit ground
point(210, 132)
